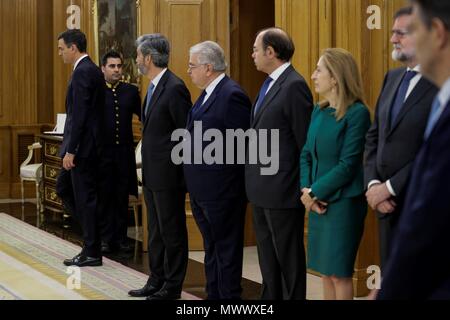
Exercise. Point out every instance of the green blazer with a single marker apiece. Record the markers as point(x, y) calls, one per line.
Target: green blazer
point(331, 163)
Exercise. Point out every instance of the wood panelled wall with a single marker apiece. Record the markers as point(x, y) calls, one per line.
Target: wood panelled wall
point(186, 23)
point(247, 18)
point(25, 93)
point(318, 24)
point(33, 79)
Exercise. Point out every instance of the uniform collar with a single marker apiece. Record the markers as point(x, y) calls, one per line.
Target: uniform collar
point(112, 86)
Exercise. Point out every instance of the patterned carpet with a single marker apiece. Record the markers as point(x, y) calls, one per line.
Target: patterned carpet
point(31, 268)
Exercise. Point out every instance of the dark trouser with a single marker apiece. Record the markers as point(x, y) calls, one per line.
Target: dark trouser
point(167, 241)
point(386, 230)
point(222, 226)
point(64, 189)
point(83, 200)
point(115, 171)
point(281, 252)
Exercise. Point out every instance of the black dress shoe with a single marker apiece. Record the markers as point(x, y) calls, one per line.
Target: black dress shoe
point(164, 294)
point(146, 291)
point(81, 260)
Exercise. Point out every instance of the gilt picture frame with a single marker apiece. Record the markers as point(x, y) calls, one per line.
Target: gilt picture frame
point(116, 27)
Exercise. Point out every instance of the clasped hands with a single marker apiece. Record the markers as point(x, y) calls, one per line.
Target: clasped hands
point(311, 204)
point(379, 198)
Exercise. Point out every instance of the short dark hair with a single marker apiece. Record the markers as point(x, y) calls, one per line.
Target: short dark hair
point(405, 11)
point(280, 41)
point(111, 54)
point(431, 9)
point(76, 37)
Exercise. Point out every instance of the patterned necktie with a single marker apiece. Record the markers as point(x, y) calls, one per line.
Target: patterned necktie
point(433, 117)
point(150, 90)
point(401, 95)
point(262, 94)
point(198, 103)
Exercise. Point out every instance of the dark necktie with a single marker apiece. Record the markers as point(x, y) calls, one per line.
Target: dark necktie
point(433, 117)
point(198, 103)
point(150, 90)
point(401, 95)
point(262, 94)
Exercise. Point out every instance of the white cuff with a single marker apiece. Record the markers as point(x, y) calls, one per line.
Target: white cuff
point(372, 182)
point(389, 186)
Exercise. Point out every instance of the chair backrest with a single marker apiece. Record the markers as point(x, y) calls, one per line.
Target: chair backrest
point(31, 148)
point(138, 156)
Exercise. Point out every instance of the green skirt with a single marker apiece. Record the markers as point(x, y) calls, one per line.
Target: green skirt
point(333, 238)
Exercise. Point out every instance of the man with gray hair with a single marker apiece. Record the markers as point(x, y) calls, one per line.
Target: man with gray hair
point(217, 188)
point(396, 134)
point(165, 110)
point(419, 267)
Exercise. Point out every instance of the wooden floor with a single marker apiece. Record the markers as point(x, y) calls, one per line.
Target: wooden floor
point(194, 282)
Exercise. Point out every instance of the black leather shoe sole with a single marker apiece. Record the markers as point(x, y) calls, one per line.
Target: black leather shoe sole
point(146, 291)
point(164, 295)
point(82, 261)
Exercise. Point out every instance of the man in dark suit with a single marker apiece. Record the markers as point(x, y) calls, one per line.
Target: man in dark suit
point(396, 134)
point(284, 104)
point(166, 107)
point(82, 144)
point(216, 186)
point(118, 168)
point(419, 265)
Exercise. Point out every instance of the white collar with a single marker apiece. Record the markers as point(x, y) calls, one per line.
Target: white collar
point(214, 84)
point(416, 68)
point(78, 61)
point(279, 71)
point(158, 78)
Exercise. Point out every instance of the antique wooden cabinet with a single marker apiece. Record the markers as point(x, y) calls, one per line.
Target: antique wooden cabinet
point(51, 165)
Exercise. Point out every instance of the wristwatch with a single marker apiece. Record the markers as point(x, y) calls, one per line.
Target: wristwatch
point(312, 195)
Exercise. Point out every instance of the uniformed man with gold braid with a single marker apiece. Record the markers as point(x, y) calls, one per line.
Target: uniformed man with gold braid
point(119, 166)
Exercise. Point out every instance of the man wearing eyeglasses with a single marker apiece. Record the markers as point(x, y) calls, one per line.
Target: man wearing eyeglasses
point(216, 188)
point(419, 266)
point(397, 132)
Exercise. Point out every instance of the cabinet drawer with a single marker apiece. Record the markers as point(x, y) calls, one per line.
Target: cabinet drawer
point(51, 172)
point(51, 197)
point(52, 151)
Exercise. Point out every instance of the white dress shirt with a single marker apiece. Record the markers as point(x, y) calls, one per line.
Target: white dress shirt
point(157, 79)
point(277, 73)
point(412, 85)
point(79, 60)
point(210, 88)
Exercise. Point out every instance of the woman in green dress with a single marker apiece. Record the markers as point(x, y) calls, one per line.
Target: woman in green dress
point(332, 172)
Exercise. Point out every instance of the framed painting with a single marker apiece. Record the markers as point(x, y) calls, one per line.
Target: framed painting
point(116, 27)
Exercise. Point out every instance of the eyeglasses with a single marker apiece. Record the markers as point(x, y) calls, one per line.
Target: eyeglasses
point(400, 33)
point(193, 66)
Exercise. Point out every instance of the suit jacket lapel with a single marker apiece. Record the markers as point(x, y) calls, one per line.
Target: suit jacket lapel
point(390, 99)
point(205, 107)
point(156, 94)
point(270, 95)
point(418, 92)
